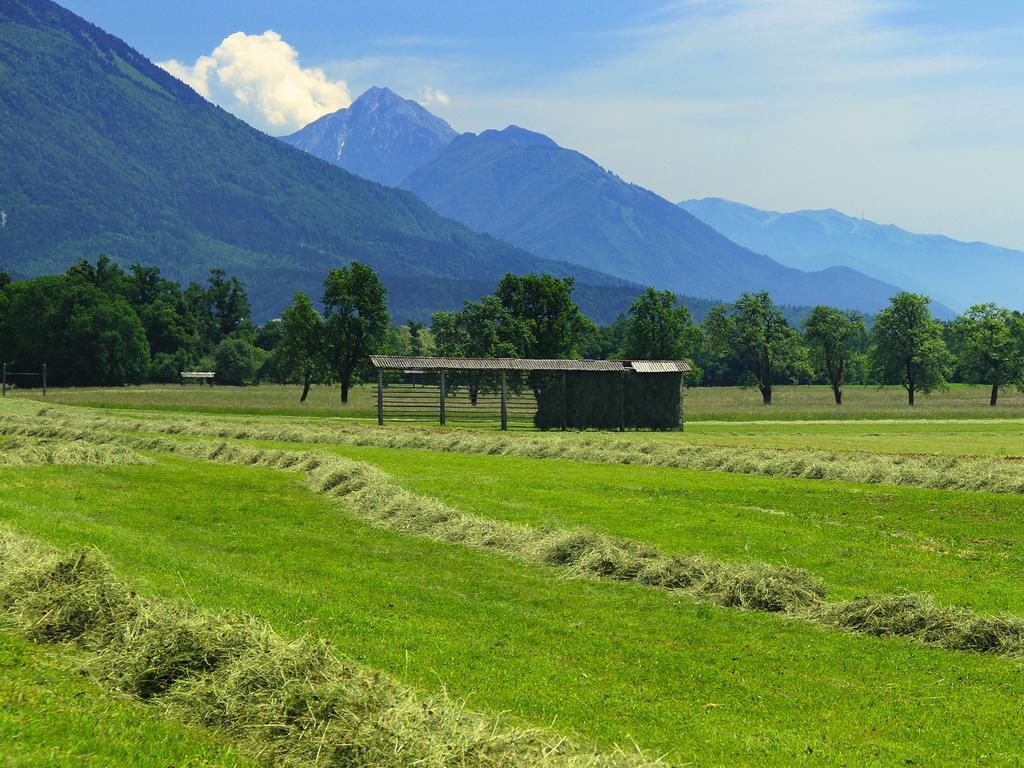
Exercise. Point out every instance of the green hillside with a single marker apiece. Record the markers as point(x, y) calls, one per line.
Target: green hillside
point(103, 151)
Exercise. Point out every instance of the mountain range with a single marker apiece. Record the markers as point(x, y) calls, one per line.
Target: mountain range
point(380, 136)
point(524, 188)
point(955, 273)
point(103, 151)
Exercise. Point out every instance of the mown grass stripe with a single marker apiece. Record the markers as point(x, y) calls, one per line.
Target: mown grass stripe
point(377, 499)
point(968, 473)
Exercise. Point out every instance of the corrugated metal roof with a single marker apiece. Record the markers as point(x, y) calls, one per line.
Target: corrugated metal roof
point(406, 362)
point(659, 366)
point(490, 364)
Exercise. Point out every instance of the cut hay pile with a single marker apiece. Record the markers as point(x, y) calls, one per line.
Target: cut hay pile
point(295, 701)
point(29, 452)
point(917, 617)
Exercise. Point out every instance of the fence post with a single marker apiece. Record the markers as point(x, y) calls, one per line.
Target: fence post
point(682, 403)
point(44, 379)
point(443, 396)
point(504, 404)
point(622, 402)
point(564, 403)
point(380, 398)
point(5, 379)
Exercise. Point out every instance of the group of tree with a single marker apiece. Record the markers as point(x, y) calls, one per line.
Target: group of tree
point(334, 346)
point(906, 345)
point(99, 324)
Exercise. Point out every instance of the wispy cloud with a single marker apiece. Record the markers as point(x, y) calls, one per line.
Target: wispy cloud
point(853, 104)
point(429, 96)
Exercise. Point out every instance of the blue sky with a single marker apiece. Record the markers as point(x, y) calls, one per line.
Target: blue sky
point(909, 111)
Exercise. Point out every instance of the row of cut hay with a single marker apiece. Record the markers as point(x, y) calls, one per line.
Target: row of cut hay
point(29, 452)
point(968, 473)
point(294, 701)
point(376, 498)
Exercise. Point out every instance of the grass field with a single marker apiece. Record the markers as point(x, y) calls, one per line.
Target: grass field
point(702, 403)
point(609, 663)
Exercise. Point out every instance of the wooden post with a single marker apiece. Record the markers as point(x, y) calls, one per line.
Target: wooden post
point(564, 403)
point(504, 404)
point(5, 379)
point(682, 402)
point(443, 396)
point(380, 398)
point(44, 379)
point(622, 402)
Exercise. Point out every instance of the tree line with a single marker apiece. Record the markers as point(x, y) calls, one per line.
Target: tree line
point(98, 324)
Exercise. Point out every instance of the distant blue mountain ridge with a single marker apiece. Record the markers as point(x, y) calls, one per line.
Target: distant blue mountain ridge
point(522, 187)
point(955, 273)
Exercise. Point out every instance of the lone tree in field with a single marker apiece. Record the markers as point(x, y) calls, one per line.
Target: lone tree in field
point(755, 331)
point(301, 349)
point(989, 342)
point(553, 326)
point(355, 318)
point(657, 329)
point(835, 339)
point(908, 346)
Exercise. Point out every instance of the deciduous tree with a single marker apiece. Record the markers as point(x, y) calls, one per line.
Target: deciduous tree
point(302, 347)
point(356, 320)
point(835, 339)
point(482, 328)
point(658, 329)
point(754, 330)
point(908, 347)
point(989, 342)
point(552, 324)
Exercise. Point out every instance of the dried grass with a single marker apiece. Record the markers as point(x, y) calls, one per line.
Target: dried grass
point(28, 452)
point(917, 617)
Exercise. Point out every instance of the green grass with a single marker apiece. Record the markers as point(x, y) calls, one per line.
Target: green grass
point(50, 715)
point(946, 437)
point(609, 661)
point(702, 403)
point(267, 399)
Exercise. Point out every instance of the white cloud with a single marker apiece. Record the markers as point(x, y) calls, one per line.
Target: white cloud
point(259, 78)
point(430, 96)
